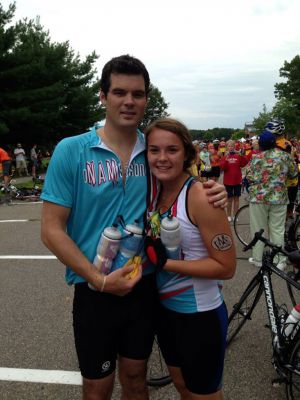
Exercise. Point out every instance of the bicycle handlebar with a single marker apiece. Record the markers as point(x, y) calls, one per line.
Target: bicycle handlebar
point(257, 236)
point(293, 256)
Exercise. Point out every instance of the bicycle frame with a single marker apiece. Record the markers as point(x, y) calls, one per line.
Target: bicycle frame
point(286, 351)
point(266, 271)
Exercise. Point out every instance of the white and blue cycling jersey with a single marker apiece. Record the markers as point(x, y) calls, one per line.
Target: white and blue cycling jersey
point(184, 293)
point(86, 176)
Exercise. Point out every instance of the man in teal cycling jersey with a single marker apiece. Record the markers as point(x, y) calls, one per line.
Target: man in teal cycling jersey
point(91, 180)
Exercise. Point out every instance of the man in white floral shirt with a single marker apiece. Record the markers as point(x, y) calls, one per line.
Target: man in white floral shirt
point(267, 173)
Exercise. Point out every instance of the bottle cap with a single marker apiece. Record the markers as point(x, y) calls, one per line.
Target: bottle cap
point(296, 311)
point(134, 228)
point(170, 223)
point(112, 232)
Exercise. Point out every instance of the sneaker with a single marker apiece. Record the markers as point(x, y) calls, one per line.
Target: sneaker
point(254, 262)
point(281, 266)
point(229, 219)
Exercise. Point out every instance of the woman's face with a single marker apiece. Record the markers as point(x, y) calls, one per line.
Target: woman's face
point(230, 147)
point(166, 155)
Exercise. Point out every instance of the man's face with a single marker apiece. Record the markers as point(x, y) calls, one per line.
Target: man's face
point(125, 101)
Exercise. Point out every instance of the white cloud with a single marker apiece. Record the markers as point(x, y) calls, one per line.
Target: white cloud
point(214, 55)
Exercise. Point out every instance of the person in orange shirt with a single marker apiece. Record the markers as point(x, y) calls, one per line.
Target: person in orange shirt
point(5, 160)
point(238, 146)
point(215, 158)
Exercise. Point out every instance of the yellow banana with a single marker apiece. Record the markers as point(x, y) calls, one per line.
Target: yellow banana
point(136, 261)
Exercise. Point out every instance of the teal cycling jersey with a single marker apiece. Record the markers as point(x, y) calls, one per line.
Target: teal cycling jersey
point(86, 176)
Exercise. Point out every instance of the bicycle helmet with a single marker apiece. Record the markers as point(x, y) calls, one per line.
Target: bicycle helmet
point(267, 140)
point(275, 126)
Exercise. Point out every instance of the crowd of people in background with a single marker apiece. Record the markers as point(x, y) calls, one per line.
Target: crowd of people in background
point(18, 162)
point(266, 168)
point(230, 158)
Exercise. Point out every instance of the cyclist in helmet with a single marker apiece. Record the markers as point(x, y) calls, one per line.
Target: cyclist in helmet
point(276, 126)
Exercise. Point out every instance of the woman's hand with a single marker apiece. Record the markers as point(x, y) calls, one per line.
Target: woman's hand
point(156, 252)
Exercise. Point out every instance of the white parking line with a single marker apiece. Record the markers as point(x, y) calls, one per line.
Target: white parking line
point(29, 203)
point(41, 376)
point(14, 220)
point(12, 257)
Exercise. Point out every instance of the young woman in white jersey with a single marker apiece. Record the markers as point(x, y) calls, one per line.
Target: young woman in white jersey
point(192, 322)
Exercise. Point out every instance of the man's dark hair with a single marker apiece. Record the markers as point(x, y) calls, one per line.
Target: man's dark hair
point(124, 64)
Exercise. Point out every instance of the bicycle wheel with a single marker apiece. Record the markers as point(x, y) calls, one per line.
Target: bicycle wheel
point(293, 382)
point(295, 234)
point(241, 224)
point(157, 374)
point(294, 292)
point(243, 309)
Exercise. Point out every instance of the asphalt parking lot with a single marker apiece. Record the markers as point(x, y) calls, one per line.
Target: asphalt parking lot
point(36, 328)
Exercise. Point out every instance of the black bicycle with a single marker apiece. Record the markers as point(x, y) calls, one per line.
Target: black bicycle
point(20, 193)
point(157, 372)
point(286, 351)
point(241, 225)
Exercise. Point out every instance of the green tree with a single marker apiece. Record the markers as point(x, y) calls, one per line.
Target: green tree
point(288, 94)
point(290, 89)
point(47, 92)
point(238, 134)
point(7, 40)
point(263, 117)
point(156, 107)
point(286, 110)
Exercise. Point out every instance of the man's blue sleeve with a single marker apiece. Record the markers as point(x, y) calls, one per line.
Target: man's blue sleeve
point(59, 183)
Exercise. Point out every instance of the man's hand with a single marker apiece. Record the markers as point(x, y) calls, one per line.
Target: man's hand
point(216, 193)
point(118, 283)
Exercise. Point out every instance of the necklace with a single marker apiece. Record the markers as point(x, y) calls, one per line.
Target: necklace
point(165, 202)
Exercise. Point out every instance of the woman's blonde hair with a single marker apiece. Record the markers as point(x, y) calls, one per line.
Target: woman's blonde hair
point(230, 142)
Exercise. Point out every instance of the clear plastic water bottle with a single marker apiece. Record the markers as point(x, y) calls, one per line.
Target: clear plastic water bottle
point(170, 236)
point(107, 249)
point(292, 323)
point(130, 245)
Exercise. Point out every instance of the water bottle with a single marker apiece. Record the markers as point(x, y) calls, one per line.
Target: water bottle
point(170, 236)
point(130, 245)
point(291, 325)
point(107, 249)
point(282, 316)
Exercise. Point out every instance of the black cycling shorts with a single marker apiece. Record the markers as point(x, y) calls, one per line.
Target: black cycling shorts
point(233, 190)
point(215, 171)
point(196, 344)
point(6, 165)
point(106, 326)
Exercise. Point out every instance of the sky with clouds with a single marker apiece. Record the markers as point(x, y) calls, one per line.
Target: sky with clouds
point(215, 61)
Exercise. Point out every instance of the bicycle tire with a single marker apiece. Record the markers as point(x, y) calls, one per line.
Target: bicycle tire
point(295, 234)
point(243, 309)
point(293, 381)
point(241, 225)
point(293, 292)
point(157, 372)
